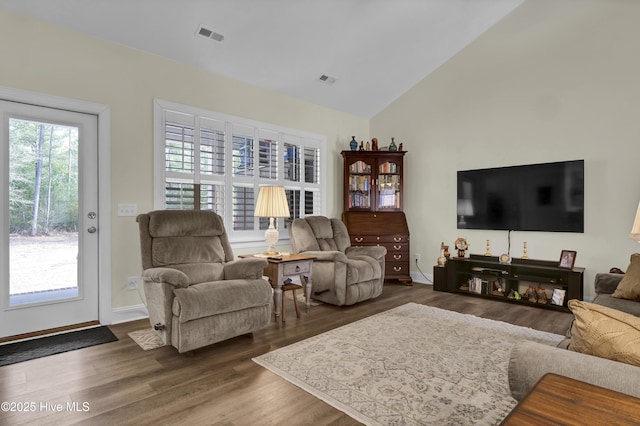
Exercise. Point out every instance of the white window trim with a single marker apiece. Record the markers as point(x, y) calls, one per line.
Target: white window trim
point(239, 238)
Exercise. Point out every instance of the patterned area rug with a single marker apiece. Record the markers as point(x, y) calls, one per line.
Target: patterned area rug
point(147, 339)
point(411, 365)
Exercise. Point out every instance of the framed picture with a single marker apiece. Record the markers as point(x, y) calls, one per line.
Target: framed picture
point(567, 259)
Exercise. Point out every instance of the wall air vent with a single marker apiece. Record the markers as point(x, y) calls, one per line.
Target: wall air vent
point(326, 79)
point(207, 33)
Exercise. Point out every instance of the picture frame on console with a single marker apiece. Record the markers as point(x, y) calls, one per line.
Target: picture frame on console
point(567, 259)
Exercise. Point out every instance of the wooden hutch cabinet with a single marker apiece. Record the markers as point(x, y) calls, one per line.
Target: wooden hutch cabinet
point(373, 206)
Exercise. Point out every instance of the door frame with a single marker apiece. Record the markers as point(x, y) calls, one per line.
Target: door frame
point(103, 112)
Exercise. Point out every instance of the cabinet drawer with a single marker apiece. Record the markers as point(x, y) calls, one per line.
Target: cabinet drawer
point(379, 239)
point(295, 268)
point(394, 256)
point(396, 268)
point(397, 248)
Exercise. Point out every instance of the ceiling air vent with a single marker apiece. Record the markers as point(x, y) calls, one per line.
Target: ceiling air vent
point(207, 33)
point(326, 79)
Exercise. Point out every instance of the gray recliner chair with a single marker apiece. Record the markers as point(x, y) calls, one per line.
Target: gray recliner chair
point(197, 294)
point(342, 275)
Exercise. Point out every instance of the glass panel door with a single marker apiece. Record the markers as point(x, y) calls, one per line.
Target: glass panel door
point(359, 185)
point(388, 185)
point(49, 232)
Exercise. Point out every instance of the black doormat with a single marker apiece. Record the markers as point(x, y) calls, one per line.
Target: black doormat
point(12, 353)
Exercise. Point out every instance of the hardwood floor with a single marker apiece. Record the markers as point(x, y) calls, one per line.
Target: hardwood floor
point(119, 383)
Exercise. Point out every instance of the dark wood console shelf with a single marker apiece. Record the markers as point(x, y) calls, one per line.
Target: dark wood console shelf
point(485, 276)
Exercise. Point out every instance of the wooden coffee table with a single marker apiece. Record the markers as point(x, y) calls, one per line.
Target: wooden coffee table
point(559, 400)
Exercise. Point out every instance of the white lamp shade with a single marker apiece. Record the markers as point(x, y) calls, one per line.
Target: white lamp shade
point(635, 231)
point(272, 202)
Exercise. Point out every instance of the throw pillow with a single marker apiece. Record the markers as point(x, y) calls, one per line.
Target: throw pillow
point(605, 332)
point(629, 287)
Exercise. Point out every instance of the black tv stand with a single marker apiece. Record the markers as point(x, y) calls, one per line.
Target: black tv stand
point(485, 276)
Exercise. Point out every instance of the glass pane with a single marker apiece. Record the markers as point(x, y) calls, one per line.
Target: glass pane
point(389, 185)
point(312, 165)
point(179, 196)
point(359, 195)
point(43, 212)
point(242, 156)
point(212, 198)
point(211, 152)
point(243, 208)
point(268, 155)
point(179, 148)
point(291, 162)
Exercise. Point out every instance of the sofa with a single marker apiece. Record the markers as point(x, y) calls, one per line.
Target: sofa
point(529, 361)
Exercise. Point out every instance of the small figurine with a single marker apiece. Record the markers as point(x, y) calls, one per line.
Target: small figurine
point(542, 295)
point(353, 145)
point(531, 294)
point(400, 147)
point(361, 146)
point(441, 259)
point(368, 148)
point(488, 252)
point(393, 146)
point(374, 144)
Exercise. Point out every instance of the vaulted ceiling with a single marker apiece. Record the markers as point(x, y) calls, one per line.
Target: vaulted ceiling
point(370, 51)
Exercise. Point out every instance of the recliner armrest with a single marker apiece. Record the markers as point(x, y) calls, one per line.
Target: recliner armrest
point(377, 252)
point(166, 275)
point(245, 268)
point(326, 256)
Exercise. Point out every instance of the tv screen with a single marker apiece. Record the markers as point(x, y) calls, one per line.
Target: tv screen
point(535, 197)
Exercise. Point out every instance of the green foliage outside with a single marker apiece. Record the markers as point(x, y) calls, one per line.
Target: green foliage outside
point(43, 174)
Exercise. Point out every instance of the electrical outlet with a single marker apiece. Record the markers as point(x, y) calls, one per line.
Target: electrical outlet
point(416, 256)
point(127, 209)
point(132, 283)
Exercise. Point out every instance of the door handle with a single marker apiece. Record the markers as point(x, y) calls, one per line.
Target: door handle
point(92, 230)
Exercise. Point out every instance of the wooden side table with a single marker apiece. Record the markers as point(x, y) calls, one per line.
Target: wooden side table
point(281, 267)
point(560, 400)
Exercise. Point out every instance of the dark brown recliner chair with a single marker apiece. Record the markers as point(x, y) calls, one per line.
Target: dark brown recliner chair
point(342, 275)
point(197, 294)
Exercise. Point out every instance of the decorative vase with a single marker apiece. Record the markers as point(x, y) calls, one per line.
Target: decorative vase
point(393, 146)
point(445, 252)
point(441, 259)
point(353, 144)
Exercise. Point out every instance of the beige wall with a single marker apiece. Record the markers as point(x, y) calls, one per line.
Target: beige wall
point(46, 59)
point(554, 80)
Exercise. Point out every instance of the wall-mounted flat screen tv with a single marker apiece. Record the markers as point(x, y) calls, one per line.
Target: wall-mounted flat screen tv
point(534, 197)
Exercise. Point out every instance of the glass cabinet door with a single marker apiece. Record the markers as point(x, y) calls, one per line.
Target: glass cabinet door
point(388, 185)
point(359, 189)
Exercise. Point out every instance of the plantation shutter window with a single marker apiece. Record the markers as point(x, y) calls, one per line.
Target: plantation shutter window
point(212, 161)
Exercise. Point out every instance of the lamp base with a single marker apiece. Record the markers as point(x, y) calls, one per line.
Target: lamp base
point(271, 236)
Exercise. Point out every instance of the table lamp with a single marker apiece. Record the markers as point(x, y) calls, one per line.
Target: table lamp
point(272, 203)
point(635, 230)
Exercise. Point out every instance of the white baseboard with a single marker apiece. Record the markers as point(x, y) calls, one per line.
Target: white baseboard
point(129, 313)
